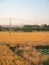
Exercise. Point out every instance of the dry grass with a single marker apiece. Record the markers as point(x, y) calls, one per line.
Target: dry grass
point(25, 37)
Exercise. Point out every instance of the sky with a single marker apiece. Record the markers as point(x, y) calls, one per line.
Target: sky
point(24, 12)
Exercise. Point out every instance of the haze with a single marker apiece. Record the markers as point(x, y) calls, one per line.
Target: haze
point(24, 11)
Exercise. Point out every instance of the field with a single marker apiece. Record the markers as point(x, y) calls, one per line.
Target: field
point(25, 37)
point(15, 48)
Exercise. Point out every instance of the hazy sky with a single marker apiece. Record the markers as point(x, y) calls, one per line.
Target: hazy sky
point(24, 11)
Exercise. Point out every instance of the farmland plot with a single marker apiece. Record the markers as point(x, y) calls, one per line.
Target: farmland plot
point(25, 37)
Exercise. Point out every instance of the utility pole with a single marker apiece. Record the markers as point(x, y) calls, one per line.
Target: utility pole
point(9, 30)
point(9, 26)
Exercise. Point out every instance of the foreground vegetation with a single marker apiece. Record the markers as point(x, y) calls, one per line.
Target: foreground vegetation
point(43, 49)
point(17, 54)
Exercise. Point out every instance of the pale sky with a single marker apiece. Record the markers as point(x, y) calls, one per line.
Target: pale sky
point(24, 11)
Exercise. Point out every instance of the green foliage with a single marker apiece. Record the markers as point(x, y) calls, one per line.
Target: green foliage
point(27, 28)
point(12, 48)
point(46, 62)
point(0, 28)
point(19, 52)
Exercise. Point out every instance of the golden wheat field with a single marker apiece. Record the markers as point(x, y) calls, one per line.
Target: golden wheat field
point(30, 55)
point(24, 37)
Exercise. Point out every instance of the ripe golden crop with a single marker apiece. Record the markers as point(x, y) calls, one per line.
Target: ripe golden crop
point(24, 37)
point(8, 57)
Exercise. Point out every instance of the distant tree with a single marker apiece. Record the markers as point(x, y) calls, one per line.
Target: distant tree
point(27, 28)
point(0, 28)
point(35, 27)
point(43, 27)
point(47, 27)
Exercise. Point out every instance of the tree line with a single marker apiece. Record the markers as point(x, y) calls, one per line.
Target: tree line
point(26, 28)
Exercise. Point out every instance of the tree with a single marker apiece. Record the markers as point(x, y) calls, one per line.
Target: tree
point(43, 27)
point(27, 28)
point(0, 28)
point(35, 27)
